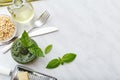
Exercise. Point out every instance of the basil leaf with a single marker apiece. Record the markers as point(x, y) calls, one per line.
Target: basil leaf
point(69, 57)
point(48, 49)
point(31, 45)
point(25, 39)
point(53, 64)
point(36, 51)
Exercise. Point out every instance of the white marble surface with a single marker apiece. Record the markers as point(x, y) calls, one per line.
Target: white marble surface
point(90, 28)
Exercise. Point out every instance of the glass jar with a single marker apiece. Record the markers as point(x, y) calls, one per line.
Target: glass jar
point(21, 11)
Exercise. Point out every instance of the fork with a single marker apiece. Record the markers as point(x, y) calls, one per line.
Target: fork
point(41, 20)
point(36, 24)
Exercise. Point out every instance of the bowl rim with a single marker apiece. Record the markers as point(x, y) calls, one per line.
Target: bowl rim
point(4, 41)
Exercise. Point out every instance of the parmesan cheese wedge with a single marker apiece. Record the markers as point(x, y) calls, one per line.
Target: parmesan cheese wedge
point(23, 75)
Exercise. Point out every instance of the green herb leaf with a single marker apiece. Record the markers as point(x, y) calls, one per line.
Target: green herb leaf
point(48, 49)
point(69, 57)
point(31, 45)
point(34, 49)
point(61, 61)
point(25, 39)
point(53, 64)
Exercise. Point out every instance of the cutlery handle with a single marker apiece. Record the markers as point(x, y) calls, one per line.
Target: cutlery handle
point(5, 71)
point(6, 48)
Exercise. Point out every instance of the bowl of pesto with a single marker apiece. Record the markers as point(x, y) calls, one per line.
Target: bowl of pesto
point(25, 50)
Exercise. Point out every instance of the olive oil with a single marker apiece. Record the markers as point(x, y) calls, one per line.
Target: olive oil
point(21, 11)
point(23, 14)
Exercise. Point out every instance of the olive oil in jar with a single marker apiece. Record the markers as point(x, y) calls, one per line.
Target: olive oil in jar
point(21, 11)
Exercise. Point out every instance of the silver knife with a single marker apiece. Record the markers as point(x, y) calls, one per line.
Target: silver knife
point(37, 32)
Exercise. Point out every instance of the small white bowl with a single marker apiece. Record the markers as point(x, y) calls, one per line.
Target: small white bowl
point(15, 30)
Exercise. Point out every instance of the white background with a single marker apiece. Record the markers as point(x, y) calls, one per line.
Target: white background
point(89, 28)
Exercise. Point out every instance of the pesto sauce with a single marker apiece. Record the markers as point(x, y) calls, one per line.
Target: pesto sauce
point(21, 53)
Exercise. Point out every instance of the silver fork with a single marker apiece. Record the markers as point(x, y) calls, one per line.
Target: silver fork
point(36, 24)
point(41, 20)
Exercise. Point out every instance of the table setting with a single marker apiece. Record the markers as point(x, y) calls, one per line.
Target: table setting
point(17, 27)
point(64, 40)
point(23, 49)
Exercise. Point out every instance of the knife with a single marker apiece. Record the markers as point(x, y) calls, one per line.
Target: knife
point(37, 32)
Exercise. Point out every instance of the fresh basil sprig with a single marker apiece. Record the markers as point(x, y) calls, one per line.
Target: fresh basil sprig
point(67, 58)
point(25, 39)
point(33, 48)
point(48, 48)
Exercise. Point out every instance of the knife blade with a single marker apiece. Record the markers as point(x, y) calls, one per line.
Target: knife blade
point(37, 32)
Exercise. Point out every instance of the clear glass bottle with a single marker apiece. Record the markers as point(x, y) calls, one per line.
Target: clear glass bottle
point(21, 11)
